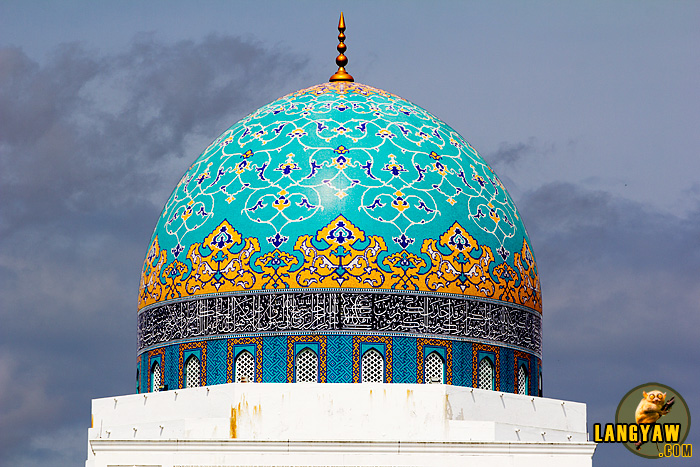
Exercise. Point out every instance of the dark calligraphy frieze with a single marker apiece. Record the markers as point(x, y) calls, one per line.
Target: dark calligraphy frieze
point(420, 314)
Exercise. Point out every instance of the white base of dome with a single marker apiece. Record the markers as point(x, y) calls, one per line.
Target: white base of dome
point(336, 424)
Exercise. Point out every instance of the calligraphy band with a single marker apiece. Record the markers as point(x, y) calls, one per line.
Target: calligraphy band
point(344, 311)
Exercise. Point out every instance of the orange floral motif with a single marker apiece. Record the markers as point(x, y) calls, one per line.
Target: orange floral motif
point(341, 263)
point(341, 255)
point(507, 282)
point(529, 288)
point(281, 203)
point(150, 288)
point(275, 266)
point(459, 264)
point(404, 270)
point(172, 277)
point(217, 267)
point(341, 88)
point(399, 203)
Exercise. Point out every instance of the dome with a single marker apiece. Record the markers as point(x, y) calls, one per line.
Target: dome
point(341, 210)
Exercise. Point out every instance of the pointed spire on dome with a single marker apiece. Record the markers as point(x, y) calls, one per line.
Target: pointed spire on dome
point(341, 60)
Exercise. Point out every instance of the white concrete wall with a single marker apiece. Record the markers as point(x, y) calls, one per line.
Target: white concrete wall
point(310, 423)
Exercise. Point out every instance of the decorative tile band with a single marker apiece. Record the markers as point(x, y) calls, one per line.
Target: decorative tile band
point(460, 364)
point(341, 255)
point(310, 312)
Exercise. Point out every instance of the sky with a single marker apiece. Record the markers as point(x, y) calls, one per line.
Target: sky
point(588, 111)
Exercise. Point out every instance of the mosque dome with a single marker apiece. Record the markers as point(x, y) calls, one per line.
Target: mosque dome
point(345, 219)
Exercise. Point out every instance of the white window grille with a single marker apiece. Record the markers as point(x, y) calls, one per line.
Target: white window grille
point(522, 380)
point(434, 368)
point(245, 367)
point(372, 367)
point(307, 366)
point(192, 372)
point(486, 374)
point(155, 378)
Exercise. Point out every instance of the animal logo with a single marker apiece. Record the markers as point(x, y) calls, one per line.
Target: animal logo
point(651, 408)
point(648, 423)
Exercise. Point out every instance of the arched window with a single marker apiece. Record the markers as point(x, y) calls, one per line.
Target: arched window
point(434, 368)
point(539, 384)
point(372, 367)
point(523, 380)
point(192, 372)
point(138, 381)
point(155, 377)
point(307, 366)
point(245, 367)
point(486, 374)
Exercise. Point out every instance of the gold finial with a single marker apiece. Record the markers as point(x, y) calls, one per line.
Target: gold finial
point(341, 60)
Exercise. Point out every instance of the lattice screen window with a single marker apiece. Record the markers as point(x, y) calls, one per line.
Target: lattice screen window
point(434, 368)
point(192, 372)
point(155, 378)
point(245, 367)
point(522, 380)
point(372, 367)
point(486, 374)
point(307, 366)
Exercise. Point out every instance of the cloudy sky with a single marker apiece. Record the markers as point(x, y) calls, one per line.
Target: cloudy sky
point(589, 112)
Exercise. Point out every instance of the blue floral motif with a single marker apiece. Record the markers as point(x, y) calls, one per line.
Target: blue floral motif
point(177, 249)
point(277, 240)
point(403, 241)
point(458, 240)
point(503, 253)
point(340, 234)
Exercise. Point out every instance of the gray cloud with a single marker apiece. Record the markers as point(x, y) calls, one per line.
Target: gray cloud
point(87, 132)
point(509, 154)
point(619, 284)
point(90, 147)
point(519, 164)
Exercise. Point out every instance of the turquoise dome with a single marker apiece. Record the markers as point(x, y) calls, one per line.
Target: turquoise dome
point(344, 150)
point(340, 219)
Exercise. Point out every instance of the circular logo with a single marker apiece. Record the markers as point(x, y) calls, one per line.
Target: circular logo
point(662, 417)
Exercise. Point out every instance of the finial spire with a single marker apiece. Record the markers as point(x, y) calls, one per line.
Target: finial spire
point(341, 60)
